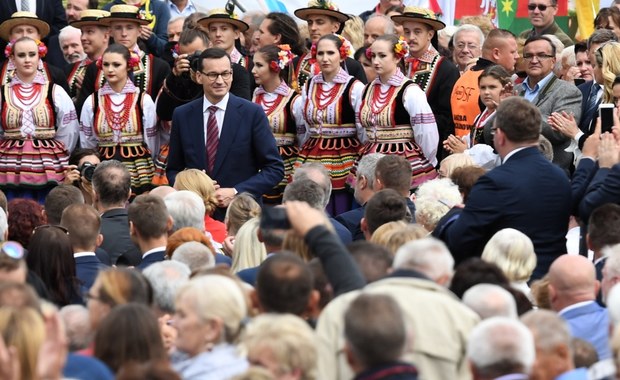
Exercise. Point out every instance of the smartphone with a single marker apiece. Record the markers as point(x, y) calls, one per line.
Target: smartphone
point(606, 113)
point(274, 218)
point(579, 81)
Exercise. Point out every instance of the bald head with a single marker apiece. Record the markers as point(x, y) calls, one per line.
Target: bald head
point(572, 279)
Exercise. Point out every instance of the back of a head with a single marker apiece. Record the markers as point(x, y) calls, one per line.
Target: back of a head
point(184, 235)
point(495, 40)
point(465, 177)
point(375, 331)
point(199, 182)
point(129, 333)
point(428, 256)
point(112, 183)
point(548, 328)
point(241, 209)
point(434, 199)
point(394, 235)
point(584, 353)
point(23, 217)
point(77, 325)
point(490, 300)
point(149, 216)
point(500, 346)
point(305, 190)
point(195, 255)
point(24, 330)
point(186, 209)
point(317, 172)
point(385, 206)
point(284, 284)
point(13, 294)
point(123, 285)
point(166, 277)
point(248, 251)
point(513, 252)
point(476, 271)
point(519, 120)
point(604, 226)
point(372, 259)
point(84, 224)
point(4, 225)
point(58, 199)
point(394, 172)
point(453, 162)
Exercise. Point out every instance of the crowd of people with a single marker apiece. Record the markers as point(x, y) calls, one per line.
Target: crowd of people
point(187, 194)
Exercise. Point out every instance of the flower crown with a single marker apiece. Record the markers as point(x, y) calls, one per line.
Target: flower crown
point(42, 49)
point(285, 57)
point(134, 61)
point(401, 49)
point(345, 49)
point(324, 4)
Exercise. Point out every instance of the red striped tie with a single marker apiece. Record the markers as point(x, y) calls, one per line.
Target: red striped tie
point(212, 139)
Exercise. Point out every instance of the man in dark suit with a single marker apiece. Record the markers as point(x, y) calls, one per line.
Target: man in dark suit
point(227, 136)
point(112, 188)
point(83, 223)
point(526, 193)
point(149, 223)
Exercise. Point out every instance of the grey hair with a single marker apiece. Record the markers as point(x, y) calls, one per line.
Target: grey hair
point(612, 263)
point(308, 169)
point(613, 304)
point(389, 24)
point(166, 277)
point(600, 36)
point(548, 328)
point(469, 28)
point(186, 209)
point(499, 346)
point(77, 322)
point(429, 256)
point(195, 255)
point(366, 167)
point(569, 54)
point(4, 224)
point(559, 47)
point(490, 300)
point(68, 31)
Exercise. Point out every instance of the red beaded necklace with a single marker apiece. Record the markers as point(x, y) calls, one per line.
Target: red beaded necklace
point(327, 96)
point(117, 120)
point(27, 95)
point(380, 99)
point(269, 106)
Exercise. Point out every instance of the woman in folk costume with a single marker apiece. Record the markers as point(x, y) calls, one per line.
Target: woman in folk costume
point(120, 120)
point(396, 114)
point(329, 103)
point(276, 98)
point(39, 126)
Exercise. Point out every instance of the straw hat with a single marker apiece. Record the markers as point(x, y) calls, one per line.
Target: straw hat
point(90, 17)
point(23, 18)
point(321, 7)
point(127, 13)
point(423, 15)
point(220, 15)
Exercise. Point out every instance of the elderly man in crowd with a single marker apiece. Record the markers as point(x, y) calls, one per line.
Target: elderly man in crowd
point(71, 44)
point(468, 40)
point(489, 300)
point(377, 25)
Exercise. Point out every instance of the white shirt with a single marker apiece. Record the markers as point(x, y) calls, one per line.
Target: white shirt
point(512, 153)
point(83, 254)
point(156, 249)
point(219, 114)
point(32, 5)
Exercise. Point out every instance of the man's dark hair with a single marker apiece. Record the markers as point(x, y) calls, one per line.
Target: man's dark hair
point(385, 206)
point(189, 35)
point(394, 172)
point(541, 38)
point(284, 284)
point(59, 199)
point(80, 153)
point(287, 28)
point(149, 216)
point(519, 119)
point(600, 36)
point(373, 260)
point(213, 53)
point(604, 226)
point(305, 190)
point(112, 183)
point(466, 177)
point(93, 4)
point(581, 47)
point(83, 223)
point(476, 271)
point(374, 327)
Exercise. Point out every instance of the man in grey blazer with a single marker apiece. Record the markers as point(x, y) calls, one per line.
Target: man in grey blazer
point(550, 94)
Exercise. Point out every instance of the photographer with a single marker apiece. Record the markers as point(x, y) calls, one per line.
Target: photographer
point(82, 164)
point(181, 87)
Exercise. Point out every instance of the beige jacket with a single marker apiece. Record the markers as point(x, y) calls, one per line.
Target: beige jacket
point(438, 324)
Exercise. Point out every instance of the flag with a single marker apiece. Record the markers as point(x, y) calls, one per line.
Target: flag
point(586, 12)
point(513, 15)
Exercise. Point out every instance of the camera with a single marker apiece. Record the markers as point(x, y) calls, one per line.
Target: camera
point(274, 218)
point(194, 60)
point(87, 170)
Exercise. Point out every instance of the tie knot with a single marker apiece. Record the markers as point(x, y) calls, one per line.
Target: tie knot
point(212, 109)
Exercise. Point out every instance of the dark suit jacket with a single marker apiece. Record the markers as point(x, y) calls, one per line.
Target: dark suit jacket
point(587, 122)
point(352, 221)
point(603, 188)
point(526, 193)
point(247, 157)
point(152, 258)
point(86, 270)
point(116, 240)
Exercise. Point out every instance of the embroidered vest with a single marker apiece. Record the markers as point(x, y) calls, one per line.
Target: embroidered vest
point(44, 115)
point(130, 134)
point(337, 119)
point(281, 119)
point(392, 122)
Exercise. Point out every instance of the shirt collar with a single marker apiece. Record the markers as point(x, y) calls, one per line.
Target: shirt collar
point(283, 89)
point(540, 84)
point(38, 79)
point(220, 105)
point(129, 88)
point(188, 8)
point(83, 254)
point(395, 80)
point(156, 249)
point(512, 153)
point(341, 77)
point(574, 306)
point(429, 55)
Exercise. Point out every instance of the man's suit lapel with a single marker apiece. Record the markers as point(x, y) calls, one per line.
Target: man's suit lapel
point(544, 92)
point(230, 126)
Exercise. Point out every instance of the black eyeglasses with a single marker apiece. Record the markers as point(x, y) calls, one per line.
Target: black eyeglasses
point(541, 7)
point(213, 76)
point(540, 57)
point(12, 250)
point(66, 231)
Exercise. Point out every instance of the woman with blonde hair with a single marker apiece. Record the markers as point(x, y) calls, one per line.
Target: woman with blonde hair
point(453, 161)
point(434, 199)
point(608, 61)
point(513, 252)
point(23, 329)
point(248, 251)
point(200, 183)
point(393, 235)
point(210, 311)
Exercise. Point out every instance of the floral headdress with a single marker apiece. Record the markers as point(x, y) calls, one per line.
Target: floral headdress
point(325, 4)
point(8, 50)
point(285, 57)
point(134, 61)
point(345, 49)
point(401, 49)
